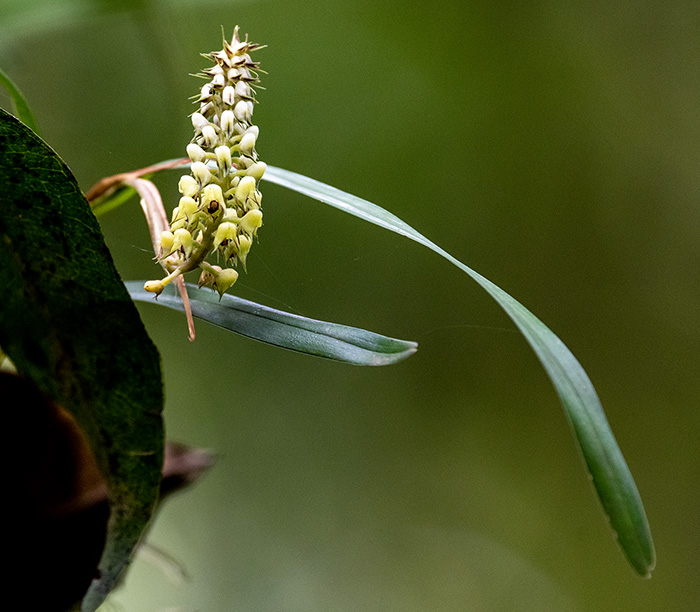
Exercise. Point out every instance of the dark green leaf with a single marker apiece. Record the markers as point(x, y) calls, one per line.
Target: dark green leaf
point(67, 323)
point(610, 474)
point(290, 331)
point(22, 110)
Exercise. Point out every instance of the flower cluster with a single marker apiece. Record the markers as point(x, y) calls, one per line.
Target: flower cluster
point(219, 211)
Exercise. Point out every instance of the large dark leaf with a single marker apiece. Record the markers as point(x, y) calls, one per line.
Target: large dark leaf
point(68, 324)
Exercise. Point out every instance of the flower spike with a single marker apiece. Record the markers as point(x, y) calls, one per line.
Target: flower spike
point(219, 211)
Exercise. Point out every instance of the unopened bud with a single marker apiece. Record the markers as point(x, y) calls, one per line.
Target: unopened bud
point(251, 221)
point(187, 207)
point(209, 135)
point(245, 187)
point(223, 156)
point(247, 143)
point(201, 173)
point(205, 94)
point(244, 162)
point(244, 244)
point(228, 95)
point(256, 170)
point(199, 121)
point(188, 186)
point(183, 239)
point(225, 279)
point(228, 120)
point(225, 231)
point(195, 152)
point(243, 111)
point(243, 89)
point(154, 287)
point(254, 200)
point(167, 240)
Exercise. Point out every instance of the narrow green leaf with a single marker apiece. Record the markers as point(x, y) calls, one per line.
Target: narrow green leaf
point(22, 110)
point(113, 200)
point(610, 475)
point(68, 323)
point(279, 328)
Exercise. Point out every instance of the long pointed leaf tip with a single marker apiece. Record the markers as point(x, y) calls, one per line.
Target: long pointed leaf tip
point(219, 211)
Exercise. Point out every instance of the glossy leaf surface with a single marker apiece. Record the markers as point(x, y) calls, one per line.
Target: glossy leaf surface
point(22, 110)
point(283, 329)
point(609, 472)
point(68, 324)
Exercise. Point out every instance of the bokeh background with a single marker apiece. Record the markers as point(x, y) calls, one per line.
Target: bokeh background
point(552, 145)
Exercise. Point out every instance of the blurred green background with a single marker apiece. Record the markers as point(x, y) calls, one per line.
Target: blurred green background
point(552, 145)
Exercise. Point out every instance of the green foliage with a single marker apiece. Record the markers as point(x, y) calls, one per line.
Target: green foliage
point(610, 474)
point(329, 340)
point(22, 109)
point(68, 324)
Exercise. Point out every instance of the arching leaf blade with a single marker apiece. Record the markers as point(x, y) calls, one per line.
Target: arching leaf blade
point(610, 474)
point(22, 110)
point(276, 327)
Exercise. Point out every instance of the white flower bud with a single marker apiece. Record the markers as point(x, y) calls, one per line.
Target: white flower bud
point(257, 170)
point(242, 59)
point(206, 93)
point(231, 215)
point(228, 95)
point(242, 89)
point(253, 129)
point(247, 143)
point(183, 239)
point(233, 74)
point(244, 162)
point(243, 111)
point(244, 189)
point(218, 81)
point(225, 280)
point(195, 152)
point(187, 207)
point(167, 240)
point(251, 221)
point(188, 186)
point(209, 135)
point(199, 121)
point(223, 156)
point(225, 231)
point(244, 244)
point(178, 223)
point(254, 200)
point(201, 173)
point(228, 120)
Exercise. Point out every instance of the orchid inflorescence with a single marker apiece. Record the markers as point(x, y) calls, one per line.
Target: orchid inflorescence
point(219, 211)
